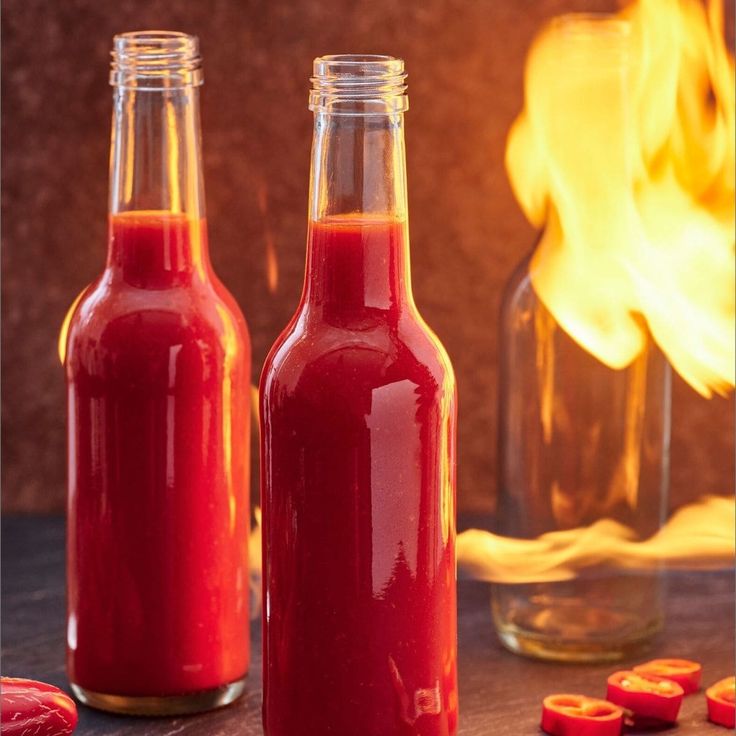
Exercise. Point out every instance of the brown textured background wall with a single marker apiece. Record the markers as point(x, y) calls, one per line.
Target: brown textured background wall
point(465, 63)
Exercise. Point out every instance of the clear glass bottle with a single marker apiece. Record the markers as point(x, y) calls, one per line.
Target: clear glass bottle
point(579, 442)
point(157, 360)
point(358, 447)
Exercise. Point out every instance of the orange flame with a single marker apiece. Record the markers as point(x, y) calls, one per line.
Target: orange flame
point(254, 564)
point(624, 154)
point(698, 536)
point(272, 264)
point(254, 541)
point(64, 331)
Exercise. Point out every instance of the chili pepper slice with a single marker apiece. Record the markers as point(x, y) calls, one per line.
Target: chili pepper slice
point(648, 697)
point(721, 705)
point(682, 671)
point(31, 707)
point(578, 715)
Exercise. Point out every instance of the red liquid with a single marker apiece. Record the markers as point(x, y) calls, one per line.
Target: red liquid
point(358, 412)
point(158, 361)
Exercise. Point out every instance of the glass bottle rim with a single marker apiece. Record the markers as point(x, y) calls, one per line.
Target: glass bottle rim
point(606, 35)
point(155, 60)
point(358, 84)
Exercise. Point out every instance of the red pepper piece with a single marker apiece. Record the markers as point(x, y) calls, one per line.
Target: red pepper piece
point(721, 705)
point(30, 707)
point(682, 671)
point(648, 697)
point(578, 715)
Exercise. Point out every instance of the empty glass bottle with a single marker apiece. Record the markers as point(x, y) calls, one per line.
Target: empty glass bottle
point(579, 442)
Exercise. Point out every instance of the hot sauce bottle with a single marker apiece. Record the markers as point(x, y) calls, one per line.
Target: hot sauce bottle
point(158, 373)
point(358, 407)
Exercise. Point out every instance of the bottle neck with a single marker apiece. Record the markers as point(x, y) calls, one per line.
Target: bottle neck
point(157, 227)
point(358, 244)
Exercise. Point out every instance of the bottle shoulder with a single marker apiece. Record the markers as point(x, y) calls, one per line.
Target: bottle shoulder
point(114, 318)
point(312, 352)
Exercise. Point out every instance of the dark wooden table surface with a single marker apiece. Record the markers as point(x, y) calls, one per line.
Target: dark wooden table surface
point(500, 693)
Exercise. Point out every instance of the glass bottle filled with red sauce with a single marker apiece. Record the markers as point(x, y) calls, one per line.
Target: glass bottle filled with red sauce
point(157, 360)
point(358, 407)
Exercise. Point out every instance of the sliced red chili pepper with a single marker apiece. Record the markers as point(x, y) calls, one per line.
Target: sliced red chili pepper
point(31, 707)
point(578, 715)
point(682, 671)
point(721, 705)
point(648, 697)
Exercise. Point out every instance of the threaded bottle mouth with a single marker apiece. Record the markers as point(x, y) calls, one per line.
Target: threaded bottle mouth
point(155, 60)
point(584, 36)
point(358, 84)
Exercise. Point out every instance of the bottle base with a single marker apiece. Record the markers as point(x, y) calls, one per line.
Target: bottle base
point(168, 705)
point(536, 646)
point(595, 619)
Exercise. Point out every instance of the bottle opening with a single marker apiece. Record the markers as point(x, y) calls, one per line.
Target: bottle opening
point(155, 60)
point(575, 25)
point(581, 38)
point(358, 84)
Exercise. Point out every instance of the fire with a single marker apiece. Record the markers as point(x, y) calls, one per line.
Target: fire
point(254, 541)
point(624, 154)
point(272, 264)
point(254, 565)
point(64, 332)
point(698, 536)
